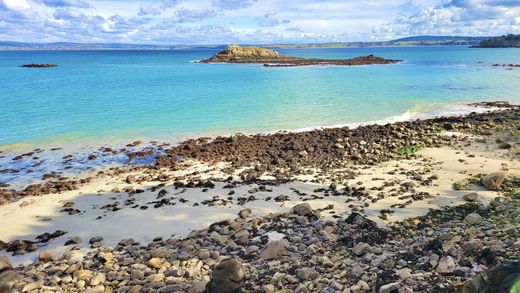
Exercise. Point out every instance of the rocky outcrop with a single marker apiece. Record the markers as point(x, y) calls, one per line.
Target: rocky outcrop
point(38, 65)
point(270, 58)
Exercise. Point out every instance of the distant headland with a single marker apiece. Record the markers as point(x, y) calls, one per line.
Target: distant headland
point(407, 41)
point(271, 58)
point(507, 41)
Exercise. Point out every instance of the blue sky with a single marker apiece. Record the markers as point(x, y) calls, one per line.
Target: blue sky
point(251, 21)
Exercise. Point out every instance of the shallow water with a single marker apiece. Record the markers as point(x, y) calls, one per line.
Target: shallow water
point(111, 97)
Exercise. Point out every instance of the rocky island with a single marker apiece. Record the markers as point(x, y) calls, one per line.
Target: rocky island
point(38, 65)
point(271, 58)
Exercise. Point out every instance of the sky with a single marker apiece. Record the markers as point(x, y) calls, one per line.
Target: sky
point(251, 21)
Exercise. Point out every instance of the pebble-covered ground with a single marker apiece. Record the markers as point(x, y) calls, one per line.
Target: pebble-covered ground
point(474, 247)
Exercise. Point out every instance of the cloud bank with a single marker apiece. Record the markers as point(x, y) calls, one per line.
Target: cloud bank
point(251, 21)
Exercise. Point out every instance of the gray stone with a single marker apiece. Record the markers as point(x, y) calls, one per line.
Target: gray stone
point(227, 277)
point(473, 219)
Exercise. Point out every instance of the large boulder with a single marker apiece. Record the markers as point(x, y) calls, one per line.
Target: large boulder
point(227, 277)
point(503, 278)
point(493, 181)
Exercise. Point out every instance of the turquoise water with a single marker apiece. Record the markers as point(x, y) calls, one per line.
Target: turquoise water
point(104, 97)
point(161, 94)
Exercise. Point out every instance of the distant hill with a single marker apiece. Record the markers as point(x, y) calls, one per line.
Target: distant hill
point(7, 45)
point(408, 41)
point(507, 41)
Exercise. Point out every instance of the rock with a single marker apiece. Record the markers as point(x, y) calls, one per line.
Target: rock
point(473, 219)
point(269, 288)
point(97, 289)
point(306, 274)
point(45, 256)
point(471, 197)
point(360, 249)
point(32, 286)
point(95, 239)
point(493, 181)
point(82, 274)
point(242, 237)
point(389, 288)
point(499, 279)
point(404, 273)
point(245, 213)
point(5, 264)
point(198, 287)
point(303, 209)
point(275, 249)
point(127, 242)
point(446, 265)
point(204, 254)
point(155, 262)
point(155, 278)
point(98, 279)
point(74, 240)
point(504, 146)
point(7, 280)
point(227, 277)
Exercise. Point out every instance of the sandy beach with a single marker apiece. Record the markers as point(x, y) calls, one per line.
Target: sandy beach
point(297, 212)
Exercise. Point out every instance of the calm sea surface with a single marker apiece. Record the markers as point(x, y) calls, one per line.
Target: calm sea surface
point(99, 97)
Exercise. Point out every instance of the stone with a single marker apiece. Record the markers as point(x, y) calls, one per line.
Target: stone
point(470, 197)
point(242, 237)
point(82, 274)
point(32, 286)
point(127, 242)
point(204, 254)
point(389, 288)
point(198, 287)
point(98, 279)
point(275, 249)
point(404, 273)
point(95, 239)
point(155, 262)
point(97, 289)
point(269, 288)
point(156, 278)
point(45, 256)
point(74, 240)
point(245, 213)
point(303, 209)
point(493, 181)
point(227, 277)
point(473, 219)
point(306, 274)
point(5, 264)
point(360, 249)
point(446, 265)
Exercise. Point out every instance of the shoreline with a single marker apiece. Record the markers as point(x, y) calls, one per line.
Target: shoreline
point(119, 148)
point(346, 203)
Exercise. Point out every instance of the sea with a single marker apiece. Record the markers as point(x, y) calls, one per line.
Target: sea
point(111, 98)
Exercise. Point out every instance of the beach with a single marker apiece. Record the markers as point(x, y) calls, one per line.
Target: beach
point(421, 205)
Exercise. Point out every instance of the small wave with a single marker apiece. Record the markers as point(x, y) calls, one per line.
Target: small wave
point(411, 115)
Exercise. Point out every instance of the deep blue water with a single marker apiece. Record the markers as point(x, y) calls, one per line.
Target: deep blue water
point(97, 97)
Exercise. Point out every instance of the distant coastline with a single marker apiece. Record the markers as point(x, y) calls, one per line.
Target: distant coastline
point(408, 41)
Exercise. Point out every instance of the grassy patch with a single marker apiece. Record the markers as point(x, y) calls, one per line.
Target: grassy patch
point(438, 129)
point(461, 185)
point(408, 151)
